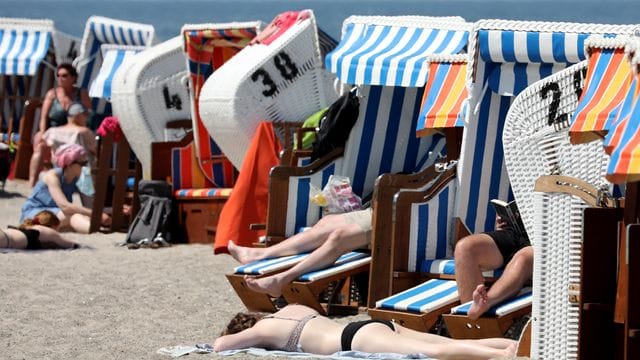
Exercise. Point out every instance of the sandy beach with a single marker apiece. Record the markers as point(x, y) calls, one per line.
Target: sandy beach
point(108, 302)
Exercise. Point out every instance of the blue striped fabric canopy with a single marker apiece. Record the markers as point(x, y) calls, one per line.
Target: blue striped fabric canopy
point(391, 55)
point(113, 57)
point(22, 50)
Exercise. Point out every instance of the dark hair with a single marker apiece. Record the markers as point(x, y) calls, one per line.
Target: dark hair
point(242, 321)
point(70, 69)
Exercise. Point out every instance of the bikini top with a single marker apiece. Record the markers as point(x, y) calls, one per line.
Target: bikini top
point(293, 344)
point(57, 114)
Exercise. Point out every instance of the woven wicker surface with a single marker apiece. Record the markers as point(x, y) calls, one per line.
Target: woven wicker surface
point(140, 100)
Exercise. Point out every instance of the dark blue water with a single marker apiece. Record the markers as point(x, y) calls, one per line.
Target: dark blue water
point(168, 16)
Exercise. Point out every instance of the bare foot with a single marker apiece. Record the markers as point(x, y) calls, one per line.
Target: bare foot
point(480, 302)
point(243, 254)
point(510, 351)
point(269, 285)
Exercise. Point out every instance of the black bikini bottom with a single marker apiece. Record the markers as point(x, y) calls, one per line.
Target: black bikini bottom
point(33, 238)
point(351, 329)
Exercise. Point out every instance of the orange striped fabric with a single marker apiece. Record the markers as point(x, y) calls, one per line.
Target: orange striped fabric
point(607, 83)
point(207, 50)
point(444, 97)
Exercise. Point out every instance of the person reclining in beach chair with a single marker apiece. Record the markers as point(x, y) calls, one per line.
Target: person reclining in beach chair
point(504, 247)
point(331, 237)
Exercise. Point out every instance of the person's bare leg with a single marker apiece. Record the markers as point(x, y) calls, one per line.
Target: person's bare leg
point(378, 338)
point(340, 241)
point(80, 223)
point(12, 239)
point(518, 271)
point(35, 163)
point(49, 238)
point(302, 242)
point(474, 254)
point(497, 343)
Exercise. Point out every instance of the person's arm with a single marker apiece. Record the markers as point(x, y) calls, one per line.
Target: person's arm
point(85, 99)
point(46, 106)
point(242, 340)
point(89, 140)
point(55, 189)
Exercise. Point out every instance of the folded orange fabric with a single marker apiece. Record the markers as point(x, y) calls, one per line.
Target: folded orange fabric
point(248, 201)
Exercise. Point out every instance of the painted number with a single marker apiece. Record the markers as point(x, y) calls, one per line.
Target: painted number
point(554, 90)
point(171, 100)
point(286, 67)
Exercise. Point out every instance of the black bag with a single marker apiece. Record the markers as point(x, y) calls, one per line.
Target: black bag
point(336, 125)
point(152, 220)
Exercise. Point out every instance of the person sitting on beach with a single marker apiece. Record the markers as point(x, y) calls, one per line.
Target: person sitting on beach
point(37, 233)
point(75, 131)
point(328, 239)
point(489, 251)
point(54, 113)
point(298, 328)
point(54, 191)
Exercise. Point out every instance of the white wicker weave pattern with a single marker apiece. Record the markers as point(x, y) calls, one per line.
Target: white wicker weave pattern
point(557, 249)
point(534, 148)
point(140, 101)
point(258, 84)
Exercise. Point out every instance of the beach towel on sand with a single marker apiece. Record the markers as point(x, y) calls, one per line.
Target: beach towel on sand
point(248, 201)
point(181, 350)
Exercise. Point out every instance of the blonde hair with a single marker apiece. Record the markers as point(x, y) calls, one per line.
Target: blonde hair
point(44, 218)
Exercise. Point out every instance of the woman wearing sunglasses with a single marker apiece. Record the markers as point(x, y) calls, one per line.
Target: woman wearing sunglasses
point(54, 113)
point(54, 191)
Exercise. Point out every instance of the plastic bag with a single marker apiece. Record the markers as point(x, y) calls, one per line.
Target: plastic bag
point(336, 197)
point(85, 182)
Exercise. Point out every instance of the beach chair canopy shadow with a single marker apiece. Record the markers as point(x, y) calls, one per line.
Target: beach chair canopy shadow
point(97, 32)
point(383, 137)
point(274, 79)
point(537, 144)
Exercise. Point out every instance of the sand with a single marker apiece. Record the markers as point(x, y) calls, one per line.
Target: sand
point(110, 302)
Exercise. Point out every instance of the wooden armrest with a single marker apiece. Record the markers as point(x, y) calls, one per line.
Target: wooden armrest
point(180, 124)
point(284, 172)
point(258, 226)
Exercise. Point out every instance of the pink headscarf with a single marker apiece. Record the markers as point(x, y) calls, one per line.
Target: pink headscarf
point(68, 154)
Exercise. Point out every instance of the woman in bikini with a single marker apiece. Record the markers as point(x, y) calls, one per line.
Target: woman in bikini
point(300, 328)
point(37, 233)
point(54, 113)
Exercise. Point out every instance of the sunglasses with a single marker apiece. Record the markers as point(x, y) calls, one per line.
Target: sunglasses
point(81, 163)
point(63, 75)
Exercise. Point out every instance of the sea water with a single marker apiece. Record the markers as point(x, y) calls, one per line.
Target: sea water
point(168, 16)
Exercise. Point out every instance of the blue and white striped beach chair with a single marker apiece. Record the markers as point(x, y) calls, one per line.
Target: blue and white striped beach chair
point(101, 30)
point(567, 179)
point(27, 72)
point(499, 68)
point(350, 263)
point(389, 71)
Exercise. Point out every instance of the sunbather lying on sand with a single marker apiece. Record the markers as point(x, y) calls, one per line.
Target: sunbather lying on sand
point(37, 233)
point(300, 328)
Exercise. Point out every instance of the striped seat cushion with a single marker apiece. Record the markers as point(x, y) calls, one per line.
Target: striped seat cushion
point(13, 137)
point(345, 262)
point(426, 297)
point(447, 267)
point(520, 301)
point(267, 266)
point(202, 193)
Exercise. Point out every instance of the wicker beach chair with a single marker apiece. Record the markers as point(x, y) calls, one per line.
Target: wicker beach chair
point(623, 168)
point(375, 56)
point(283, 80)
point(101, 30)
point(24, 77)
point(147, 94)
point(566, 180)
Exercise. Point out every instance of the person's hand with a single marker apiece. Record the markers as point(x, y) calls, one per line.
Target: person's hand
point(106, 219)
point(500, 223)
